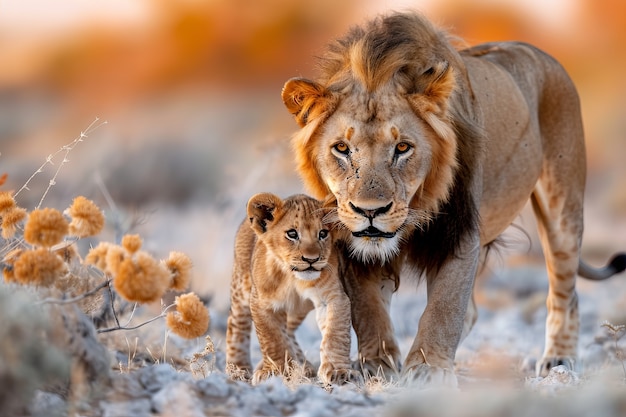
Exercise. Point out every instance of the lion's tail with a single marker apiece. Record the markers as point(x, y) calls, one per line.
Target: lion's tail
point(615, 266)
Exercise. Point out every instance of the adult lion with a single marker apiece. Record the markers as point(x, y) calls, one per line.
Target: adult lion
point(430, 153)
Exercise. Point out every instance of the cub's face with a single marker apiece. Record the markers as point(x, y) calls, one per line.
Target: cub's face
point(293, 231)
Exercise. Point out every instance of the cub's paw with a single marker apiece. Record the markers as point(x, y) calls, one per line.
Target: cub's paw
point(237, 373)
point(428, 376)
point(263, 373)
point(545, 364)
point(329, 375)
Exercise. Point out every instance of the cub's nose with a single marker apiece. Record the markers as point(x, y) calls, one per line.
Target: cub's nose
point(310, 260)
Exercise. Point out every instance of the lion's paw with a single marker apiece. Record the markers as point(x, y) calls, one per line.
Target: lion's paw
point(542, 368)
point(380, 368)
point(328, 374)
point(308, 370)
point(427, 376)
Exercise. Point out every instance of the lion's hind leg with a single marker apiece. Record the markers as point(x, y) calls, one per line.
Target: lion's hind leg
point(559, 215)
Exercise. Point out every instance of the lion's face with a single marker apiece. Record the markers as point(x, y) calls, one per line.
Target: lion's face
point(293, 232)
point(374, 154)
point(386, 155)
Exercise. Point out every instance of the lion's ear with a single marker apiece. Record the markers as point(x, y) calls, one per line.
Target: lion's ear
point(305, 99)
point(433, 98)
point(262, 209)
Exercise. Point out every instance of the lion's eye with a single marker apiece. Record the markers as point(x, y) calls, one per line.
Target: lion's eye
point(342, 148)
point(402, 147)
point(323, 234)
point(292, 234)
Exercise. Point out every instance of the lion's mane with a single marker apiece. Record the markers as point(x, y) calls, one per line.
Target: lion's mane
point(402, 48)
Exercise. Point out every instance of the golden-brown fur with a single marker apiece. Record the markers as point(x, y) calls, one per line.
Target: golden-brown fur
point(430, 153)
point(285, 266)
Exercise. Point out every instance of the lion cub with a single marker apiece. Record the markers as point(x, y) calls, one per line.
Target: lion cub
point(284, 267)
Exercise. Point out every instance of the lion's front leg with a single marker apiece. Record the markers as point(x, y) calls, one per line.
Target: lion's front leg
point(431, 358)
point(370, 288)
point(333, 318)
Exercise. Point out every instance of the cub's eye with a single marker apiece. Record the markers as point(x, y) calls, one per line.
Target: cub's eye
point(323, 234)
point(402, 147)
point(292, 234)
point(342, 148)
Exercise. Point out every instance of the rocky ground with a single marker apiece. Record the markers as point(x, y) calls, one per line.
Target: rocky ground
point(151, 373)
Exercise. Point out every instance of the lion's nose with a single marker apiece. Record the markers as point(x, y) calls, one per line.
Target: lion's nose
point(371, 213)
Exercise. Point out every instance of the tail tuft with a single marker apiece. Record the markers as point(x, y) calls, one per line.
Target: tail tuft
point(618, 263)
point(615, 266)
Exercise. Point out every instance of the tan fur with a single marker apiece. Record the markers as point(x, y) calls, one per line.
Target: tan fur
point(486, 129)
point(285, 266)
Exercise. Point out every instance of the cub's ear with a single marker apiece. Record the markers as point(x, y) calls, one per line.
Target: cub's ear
point(306, 99)
point(262, 210)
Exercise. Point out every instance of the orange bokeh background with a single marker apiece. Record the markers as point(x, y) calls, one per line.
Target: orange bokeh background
point(88, 60)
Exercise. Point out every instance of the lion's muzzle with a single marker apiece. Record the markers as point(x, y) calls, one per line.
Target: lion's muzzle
point(373, 217)
point(371, 231)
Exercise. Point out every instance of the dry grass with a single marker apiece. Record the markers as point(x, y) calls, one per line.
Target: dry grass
point(617, 332)
point(39, 254)
point(40, 250)
point(202, 363)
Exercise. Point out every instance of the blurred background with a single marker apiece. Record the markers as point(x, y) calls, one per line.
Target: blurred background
point(190, 91)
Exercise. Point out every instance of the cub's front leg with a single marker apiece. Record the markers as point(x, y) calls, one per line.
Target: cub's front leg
point(333, 318)
point(271, 329)
point(295, 318)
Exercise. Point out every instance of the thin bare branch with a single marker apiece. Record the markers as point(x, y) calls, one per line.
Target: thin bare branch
point(73, 299)
point(66, 149)
point(112, 329)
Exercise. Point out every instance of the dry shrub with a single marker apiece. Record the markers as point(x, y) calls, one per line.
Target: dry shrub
point(191, 318)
